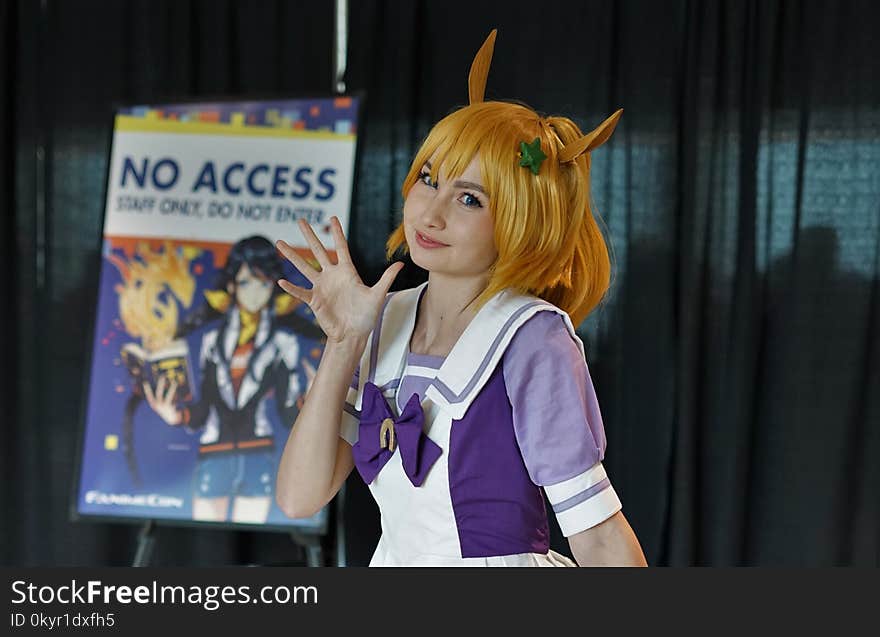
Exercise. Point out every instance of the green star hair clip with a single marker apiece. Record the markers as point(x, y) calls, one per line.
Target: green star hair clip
point(531, 155)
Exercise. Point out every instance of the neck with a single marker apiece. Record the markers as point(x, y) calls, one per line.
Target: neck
point(248, 327)
point(448, 305)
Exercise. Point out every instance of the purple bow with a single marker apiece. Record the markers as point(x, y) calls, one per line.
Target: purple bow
point(417, 452)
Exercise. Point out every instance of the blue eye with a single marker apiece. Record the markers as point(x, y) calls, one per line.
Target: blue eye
point(470, 201)
point(425, 178)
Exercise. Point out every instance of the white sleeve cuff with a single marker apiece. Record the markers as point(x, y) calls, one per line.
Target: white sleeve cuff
point(589, 513)
point(583, 501)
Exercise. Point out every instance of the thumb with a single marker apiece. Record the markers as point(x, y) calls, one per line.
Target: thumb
point(388, 277)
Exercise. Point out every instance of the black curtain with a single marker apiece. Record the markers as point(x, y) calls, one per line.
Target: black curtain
point(737, 357)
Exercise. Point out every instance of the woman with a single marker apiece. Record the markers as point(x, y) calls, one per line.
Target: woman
point(245, 359)
point(471, 393)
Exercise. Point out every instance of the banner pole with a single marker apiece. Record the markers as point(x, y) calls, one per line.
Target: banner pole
point(340, 62)
point(340, 46)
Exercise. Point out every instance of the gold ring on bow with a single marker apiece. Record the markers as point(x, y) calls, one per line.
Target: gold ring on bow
point(387, 427)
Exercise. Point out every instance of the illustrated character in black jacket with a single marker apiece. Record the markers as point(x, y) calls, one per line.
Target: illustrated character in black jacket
point(250, 355)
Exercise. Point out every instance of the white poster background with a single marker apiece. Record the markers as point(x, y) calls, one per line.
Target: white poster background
point(152, 212)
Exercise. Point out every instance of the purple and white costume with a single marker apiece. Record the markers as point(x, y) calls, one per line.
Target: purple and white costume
point(478, 433)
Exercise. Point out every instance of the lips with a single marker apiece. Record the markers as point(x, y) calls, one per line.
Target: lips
point(427, 242)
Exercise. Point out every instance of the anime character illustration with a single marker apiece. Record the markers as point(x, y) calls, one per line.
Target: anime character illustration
point(155, 285)
point(249, 354)
point(464, 401)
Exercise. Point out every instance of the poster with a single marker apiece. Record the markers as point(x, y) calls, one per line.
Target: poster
point(199, 361)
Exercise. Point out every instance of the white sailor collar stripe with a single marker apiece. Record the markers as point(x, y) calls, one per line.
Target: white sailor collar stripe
point(470, 363)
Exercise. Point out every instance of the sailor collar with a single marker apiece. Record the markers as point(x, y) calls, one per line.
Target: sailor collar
point(472, 360)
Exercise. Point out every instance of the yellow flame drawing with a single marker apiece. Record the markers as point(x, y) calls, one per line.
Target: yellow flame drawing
point(146, 279)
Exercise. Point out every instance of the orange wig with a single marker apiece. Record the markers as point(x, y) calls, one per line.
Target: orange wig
point(546, 233)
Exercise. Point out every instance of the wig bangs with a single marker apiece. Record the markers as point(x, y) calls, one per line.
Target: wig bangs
point(547, 238)
point(453, 143)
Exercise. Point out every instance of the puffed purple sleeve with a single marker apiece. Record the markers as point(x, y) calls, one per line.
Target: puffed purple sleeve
point(351, 417)
point(557, 422)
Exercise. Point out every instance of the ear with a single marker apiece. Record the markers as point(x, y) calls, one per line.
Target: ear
point(591, 140)
point(480, 69)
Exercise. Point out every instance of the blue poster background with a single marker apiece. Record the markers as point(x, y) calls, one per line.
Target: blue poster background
point(165, 455)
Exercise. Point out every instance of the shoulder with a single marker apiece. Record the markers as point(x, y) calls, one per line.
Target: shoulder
point(286, 347)
point(545, 355)
point(282, 337)
point(546, 334)
point(209, 340)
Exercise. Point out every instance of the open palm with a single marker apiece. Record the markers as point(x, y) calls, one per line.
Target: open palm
point(342, 304)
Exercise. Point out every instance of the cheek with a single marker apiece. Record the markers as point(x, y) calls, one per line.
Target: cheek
point(483, 232)
point(257, 296)
point(411, 205)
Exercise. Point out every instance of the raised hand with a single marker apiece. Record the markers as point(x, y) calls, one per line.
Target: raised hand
point(344, 307)
point(162, 402)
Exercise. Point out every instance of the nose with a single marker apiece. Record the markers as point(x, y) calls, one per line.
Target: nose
point(432, 215)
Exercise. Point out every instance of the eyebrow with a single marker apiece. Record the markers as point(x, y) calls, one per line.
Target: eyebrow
point(471, 185)
point(463, 184)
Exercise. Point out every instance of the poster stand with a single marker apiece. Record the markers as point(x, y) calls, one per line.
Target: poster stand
point(146, 542)
point(309, 542)
point(311, 545)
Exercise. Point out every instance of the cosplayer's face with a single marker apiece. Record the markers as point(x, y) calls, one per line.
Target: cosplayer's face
point(448, 224)
point(252, 291)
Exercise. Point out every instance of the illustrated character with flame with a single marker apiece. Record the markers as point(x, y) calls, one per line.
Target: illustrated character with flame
point(156, 283)
point(250, 355)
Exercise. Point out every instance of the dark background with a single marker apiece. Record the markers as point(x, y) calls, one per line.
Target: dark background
point(737, 358)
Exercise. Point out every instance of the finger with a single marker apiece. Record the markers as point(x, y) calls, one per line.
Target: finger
point(384, 284)
point(148, 392)
point(172, 392)
point(314, 243)
point(295, 291)
point(160, 389)
point(339, 241)
point(298, 262)
point(310, 371)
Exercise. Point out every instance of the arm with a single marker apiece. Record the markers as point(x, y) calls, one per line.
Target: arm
point(316, 461)
point(560, 433)
point(609, 543)
point(194, 416)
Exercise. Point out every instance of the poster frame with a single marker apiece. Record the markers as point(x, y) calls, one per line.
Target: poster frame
point(94, 288)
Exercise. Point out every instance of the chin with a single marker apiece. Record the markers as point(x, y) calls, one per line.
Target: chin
point(253, 309)
point(418, 259)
